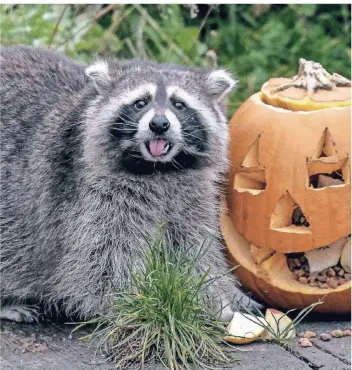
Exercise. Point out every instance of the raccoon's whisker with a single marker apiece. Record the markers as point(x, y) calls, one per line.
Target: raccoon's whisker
point(136, 156)
point(130, 124)
point(190, 135)
point(177, 164)
point(123, 129)
point(125, 116)
point(119, 126)
point(195, 151)
point(197, 129)
point(188, 117)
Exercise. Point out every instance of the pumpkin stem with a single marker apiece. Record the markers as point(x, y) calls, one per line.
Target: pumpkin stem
point(312, 76)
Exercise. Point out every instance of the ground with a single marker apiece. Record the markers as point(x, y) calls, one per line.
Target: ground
point(50, 346)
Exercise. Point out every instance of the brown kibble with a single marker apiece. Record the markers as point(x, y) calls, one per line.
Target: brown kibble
point(347, 277)
point(314, 284)
point(333, 283)
point(297, 262)
point(341, 272)
point(309, 334)
point(291, 263)
point(305, 342)
point(305, 268)
point(341, 281)
point(303, 280)
point(313, 276)
point(347, 333)
point(337, 333)
point(324, 286)
point(322, 278)
point(331, 272)
point(325, 337)
point(299, 273)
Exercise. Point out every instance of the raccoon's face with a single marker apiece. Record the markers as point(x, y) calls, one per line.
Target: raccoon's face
point(152, 117)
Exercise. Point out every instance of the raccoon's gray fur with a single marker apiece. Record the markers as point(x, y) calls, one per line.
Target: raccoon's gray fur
point(80, 197)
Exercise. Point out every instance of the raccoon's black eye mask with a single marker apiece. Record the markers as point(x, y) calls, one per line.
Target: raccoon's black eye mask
point(125, 124)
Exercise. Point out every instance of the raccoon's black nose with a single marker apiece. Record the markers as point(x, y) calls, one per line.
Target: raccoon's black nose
point(159, 124)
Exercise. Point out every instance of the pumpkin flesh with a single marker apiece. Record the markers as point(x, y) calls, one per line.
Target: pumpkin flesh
point(272, 281)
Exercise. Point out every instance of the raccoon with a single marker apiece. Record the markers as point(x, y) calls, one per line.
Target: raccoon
point(94, 159)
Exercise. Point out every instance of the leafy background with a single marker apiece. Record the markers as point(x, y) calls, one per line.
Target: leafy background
point(255, 42)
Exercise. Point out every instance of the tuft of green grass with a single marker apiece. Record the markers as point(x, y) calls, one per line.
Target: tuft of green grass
point(165, 317)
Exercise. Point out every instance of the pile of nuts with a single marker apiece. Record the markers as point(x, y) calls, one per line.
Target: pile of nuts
point(307, 338)
point(328, 278)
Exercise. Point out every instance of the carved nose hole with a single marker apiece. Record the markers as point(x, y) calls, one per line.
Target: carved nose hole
point(289, 217)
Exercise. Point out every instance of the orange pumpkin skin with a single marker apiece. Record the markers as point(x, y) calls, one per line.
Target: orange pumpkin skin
point(273, 152)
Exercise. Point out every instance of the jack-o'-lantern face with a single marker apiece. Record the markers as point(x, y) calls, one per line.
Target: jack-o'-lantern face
point(289, 189)
point(290, 176)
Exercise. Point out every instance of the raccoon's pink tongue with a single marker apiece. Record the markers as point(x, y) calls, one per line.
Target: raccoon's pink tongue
point(156, 147)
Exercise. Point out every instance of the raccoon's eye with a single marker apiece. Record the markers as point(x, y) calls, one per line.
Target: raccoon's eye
point(139, 104)
point(179, 105)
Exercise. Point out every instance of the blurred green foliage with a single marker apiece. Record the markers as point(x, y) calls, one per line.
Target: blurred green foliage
point(255, 42)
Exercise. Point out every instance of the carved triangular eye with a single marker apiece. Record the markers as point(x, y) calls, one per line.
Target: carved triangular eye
point(325, 147)
point(288, 215)
point(325, 167)
point(252, 157)
point(251, 176)
point(254, 182)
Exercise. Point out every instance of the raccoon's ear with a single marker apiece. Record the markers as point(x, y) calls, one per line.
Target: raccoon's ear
point(99, 74)
point(220, 83)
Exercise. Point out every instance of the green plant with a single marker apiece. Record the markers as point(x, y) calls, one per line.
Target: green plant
point(255, 42)
point(164, 317)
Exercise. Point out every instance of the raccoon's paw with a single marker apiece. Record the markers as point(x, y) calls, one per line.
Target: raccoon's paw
point(20, 314)
point(226, 313)
point(243, 300)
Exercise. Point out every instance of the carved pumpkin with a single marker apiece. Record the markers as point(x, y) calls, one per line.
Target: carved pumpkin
point(289, 190)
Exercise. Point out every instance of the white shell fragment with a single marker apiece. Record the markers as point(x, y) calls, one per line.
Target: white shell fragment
point(322, 258)
point(245, 326)
point(280, 325)
point(324, 181)
point(346, 256)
